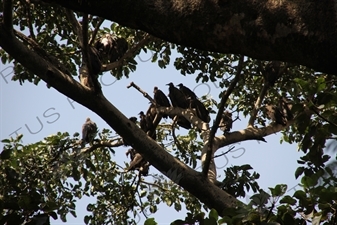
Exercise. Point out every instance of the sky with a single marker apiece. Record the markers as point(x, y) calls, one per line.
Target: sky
point(36, 112)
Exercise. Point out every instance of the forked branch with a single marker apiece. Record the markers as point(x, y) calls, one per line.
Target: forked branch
point(219, 115)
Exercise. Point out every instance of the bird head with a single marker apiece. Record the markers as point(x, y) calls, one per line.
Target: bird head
point(133, 119)
point(141, 113)
point(180, 85)
point(170, 84)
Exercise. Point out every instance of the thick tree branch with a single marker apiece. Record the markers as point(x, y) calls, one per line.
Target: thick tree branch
point(76, 25)
point(216, 123)
point(302, 32)
point(257, 104)
point(8, 14)
point(206, 192)
point(94, 33)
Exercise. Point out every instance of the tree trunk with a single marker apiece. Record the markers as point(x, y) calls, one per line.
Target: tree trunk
point(302, 32)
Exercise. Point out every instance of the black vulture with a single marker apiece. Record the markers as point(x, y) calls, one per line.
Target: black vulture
point(111, 47)
point(134, 120)
point(146, 124)
point(226, 122)
point(89, 131)
point(200, 109)
point(137, 162)
point(177, 97)
point(161, 99)
point(187, 92)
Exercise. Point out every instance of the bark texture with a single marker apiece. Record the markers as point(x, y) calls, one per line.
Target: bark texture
point(301, 32)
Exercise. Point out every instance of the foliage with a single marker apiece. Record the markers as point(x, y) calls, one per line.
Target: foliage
point(47, 177)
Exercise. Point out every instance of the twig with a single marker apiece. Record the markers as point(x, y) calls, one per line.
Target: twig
point(230, 149)
point(156, 185)
point(176, 141)
point(266, 85)
point(101, 144)
point(219, 115)
point(94, 33)
point(146, 95)
point(8, 15)
point(322, 117)
point(130, 53)
point(258, 103)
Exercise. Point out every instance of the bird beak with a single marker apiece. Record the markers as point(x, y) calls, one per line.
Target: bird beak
point(167, 84)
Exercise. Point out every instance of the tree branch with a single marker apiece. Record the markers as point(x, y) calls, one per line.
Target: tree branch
point(216, 123)
point(94, 33)
point(145, 94)
point(257, 104)
point(129, 54)
point(301, 32)
point(206, 192)
point(8, 15)
point(76, 25)
point(101, 144)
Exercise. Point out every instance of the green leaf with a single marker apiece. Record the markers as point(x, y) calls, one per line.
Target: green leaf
point(213, 214)
point(299, 171)
point(288, 200)
point(150, 221)
point(279, 190)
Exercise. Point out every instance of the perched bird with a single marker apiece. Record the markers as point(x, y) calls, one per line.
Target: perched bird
point(280, 114)
point(134, 120)
point(226, 122)
point(275, 114)
point(177, 97)
point(200, 109)
point(161, 99)
point(137, 162)
point(111, 47)
point(187, 92)
point(89, 131)
point(146, 124)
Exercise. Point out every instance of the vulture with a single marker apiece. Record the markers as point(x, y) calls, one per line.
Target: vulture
point(137, 162)
point(89, 131)
point(161, 99)
point(226, 122)
point(134, 120)
point(275, 114)
point(177, 97)
point(281, 113)
point(187, 92)
point(146, 124)
point(200, 109)
point(111, 47)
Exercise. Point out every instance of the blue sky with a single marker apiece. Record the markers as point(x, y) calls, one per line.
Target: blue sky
point(36, 112)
